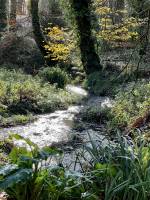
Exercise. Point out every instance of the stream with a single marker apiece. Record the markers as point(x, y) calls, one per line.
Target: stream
point(58, 127)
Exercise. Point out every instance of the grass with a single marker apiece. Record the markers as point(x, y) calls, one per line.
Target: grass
point(120, 171)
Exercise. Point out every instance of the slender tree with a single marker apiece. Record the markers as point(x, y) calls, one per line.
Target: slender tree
point(3, 15)
point(38, 34)
point(89, 57)
point(20, 6)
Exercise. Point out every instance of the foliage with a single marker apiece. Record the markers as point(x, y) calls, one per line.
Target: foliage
point(60, 43)
point(116, 171)
point(55, 75)
point(101, 83)
point(16, 120)
point(131, 102)
point(23, 177)
point(137, 6)
point(116, 26)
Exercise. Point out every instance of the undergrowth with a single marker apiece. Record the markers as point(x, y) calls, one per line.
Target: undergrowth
point(131, 103)
point(21, 94)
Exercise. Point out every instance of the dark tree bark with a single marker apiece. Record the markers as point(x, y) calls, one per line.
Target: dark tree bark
point(13, 10)
point(38, 35)
point(3, 15)
point(89, 57)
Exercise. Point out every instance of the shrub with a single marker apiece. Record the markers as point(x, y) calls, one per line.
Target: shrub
point(55, 75)
point(15, 120)
point(130, 104)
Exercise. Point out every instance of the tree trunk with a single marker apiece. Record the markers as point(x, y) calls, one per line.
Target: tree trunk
point(38, 35)
point(3, 15)
point(13, 9)
point(89, 57)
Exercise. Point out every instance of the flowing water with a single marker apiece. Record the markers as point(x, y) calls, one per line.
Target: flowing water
point(58, 127)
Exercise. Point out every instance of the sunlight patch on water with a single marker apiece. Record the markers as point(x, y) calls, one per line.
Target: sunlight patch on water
point(77, 90)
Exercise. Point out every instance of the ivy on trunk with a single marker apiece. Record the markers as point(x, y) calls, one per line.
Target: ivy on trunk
point(89, 57)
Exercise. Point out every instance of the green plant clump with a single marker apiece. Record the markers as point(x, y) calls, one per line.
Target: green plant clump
point(95, 113)
point(55, 75)
point(100, 83)
point(16, 120)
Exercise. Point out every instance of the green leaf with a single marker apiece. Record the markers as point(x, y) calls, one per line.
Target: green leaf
point(7, 169)
point(20, 176)
point(17, 152)
point(110, 169)
point(101, 166)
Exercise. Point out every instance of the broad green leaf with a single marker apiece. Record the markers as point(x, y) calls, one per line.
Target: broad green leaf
point(19, 176)
point(7, 169)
